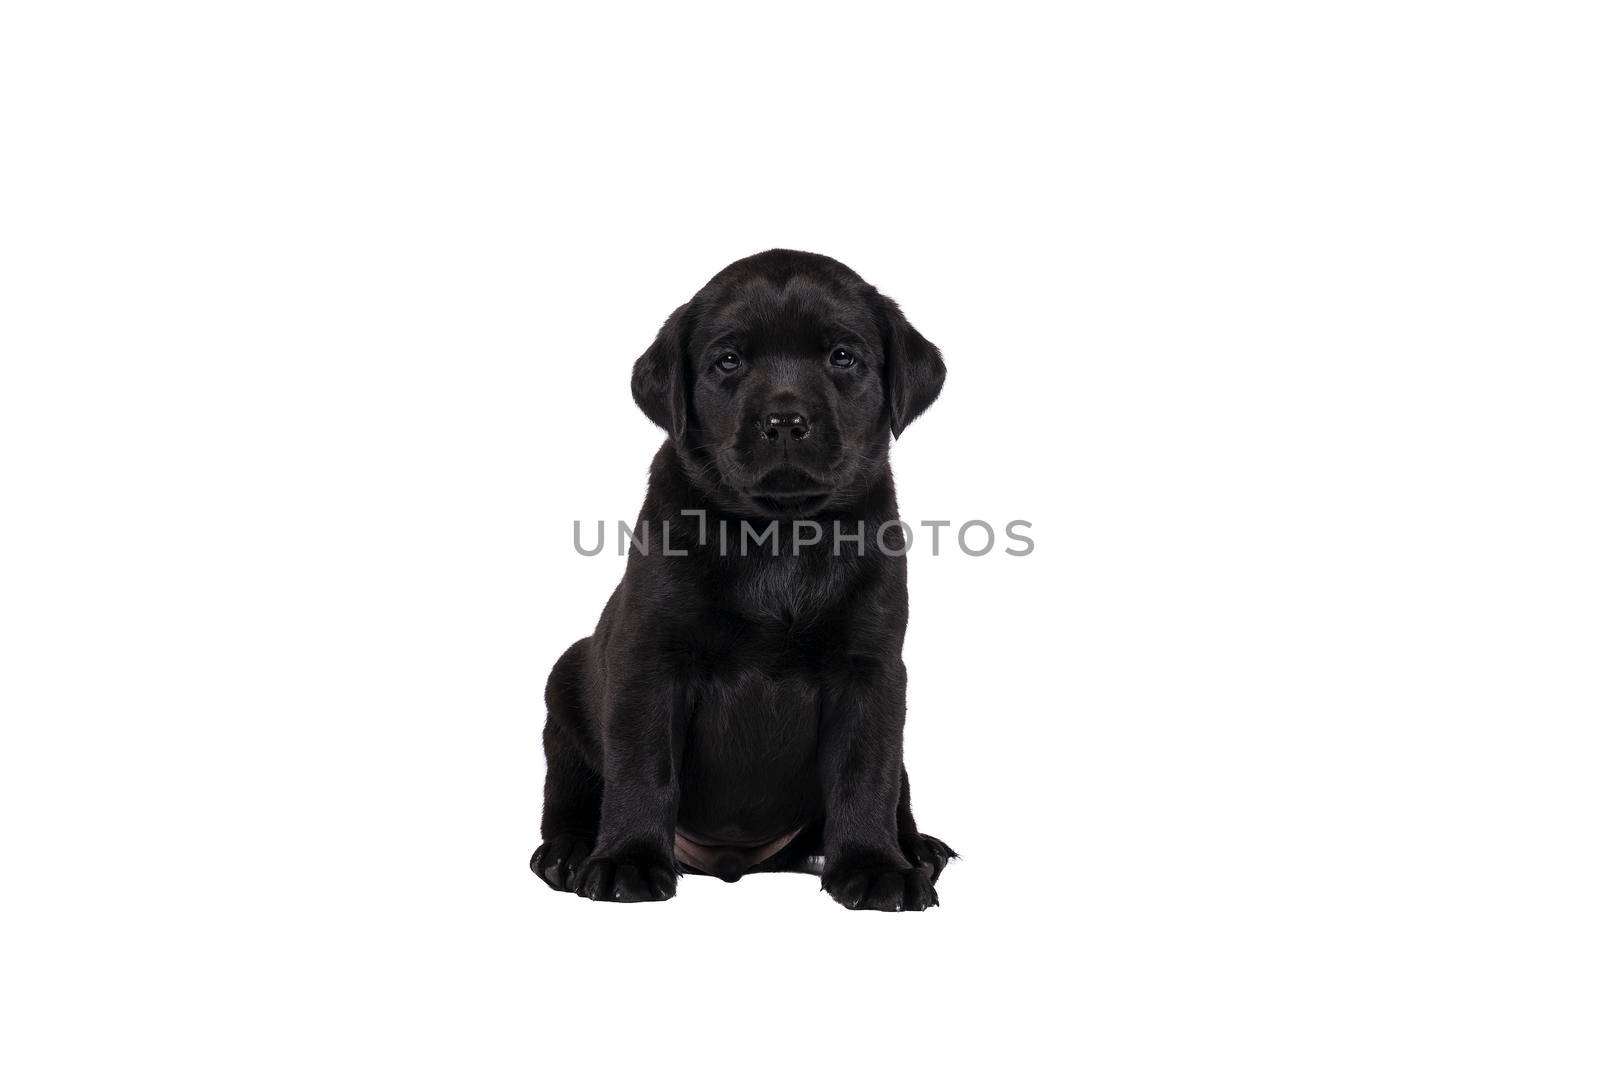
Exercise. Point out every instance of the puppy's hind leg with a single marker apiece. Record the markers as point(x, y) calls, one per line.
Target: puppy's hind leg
point(572, 788)
point(923, 850)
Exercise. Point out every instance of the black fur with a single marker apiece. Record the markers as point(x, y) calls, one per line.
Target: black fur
point(734, 699)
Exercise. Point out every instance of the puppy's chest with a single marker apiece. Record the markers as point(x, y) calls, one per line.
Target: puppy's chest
point(768, 710)
point(776, 641)
point(773, 646)
point(789, 592)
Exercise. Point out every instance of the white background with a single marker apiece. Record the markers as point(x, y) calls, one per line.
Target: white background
point(1278, 322)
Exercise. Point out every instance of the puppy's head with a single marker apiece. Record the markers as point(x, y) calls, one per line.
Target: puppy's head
point(782, 380)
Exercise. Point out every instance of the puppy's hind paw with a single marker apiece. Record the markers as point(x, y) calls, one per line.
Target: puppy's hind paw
point(626, 881)
point(881, 887)
point(928, 853)
point(557, 860)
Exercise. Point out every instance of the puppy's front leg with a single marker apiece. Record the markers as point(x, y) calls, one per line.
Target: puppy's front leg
point(861, 772)
point(642, 731)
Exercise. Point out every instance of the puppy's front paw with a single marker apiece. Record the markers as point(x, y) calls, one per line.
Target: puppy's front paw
point(626, 879)
point(558, 859)
point(928, 853)
point(880, 886)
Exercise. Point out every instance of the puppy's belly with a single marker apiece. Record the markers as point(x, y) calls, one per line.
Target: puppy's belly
point(749, 774)
point(726, 861)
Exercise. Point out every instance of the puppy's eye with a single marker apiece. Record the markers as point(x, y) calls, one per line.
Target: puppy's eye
point(842, 357)
point(728, 361)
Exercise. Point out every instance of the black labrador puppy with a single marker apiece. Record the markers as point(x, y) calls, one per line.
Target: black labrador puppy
point(740, 706)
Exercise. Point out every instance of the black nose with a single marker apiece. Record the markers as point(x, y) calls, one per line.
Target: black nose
point(777, 422)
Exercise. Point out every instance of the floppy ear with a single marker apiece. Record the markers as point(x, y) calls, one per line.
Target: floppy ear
point(915, 368)
point(659, 387)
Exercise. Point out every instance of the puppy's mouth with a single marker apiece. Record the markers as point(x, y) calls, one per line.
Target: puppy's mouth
point(788, 492)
